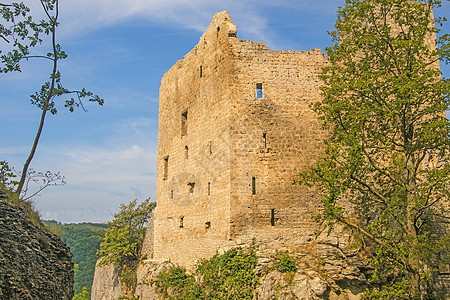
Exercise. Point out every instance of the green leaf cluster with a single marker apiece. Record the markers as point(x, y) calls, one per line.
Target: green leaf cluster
point(384, 102)
point(227, 276)
point(285, 263)
point(125, 233)
point(83, 295)
point(124, 238)
point(7, 176)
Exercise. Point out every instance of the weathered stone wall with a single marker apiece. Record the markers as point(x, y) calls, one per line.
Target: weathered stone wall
point(193, 183)
point(215, 135)
point(274, 137)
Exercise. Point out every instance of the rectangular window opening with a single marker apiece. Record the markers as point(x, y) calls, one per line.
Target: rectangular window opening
point(265, 140)
point(186, 152)
point(253, 185)
point(181, 221)
point(171, 194)
point(201, 71)
point(272, 217)
point(166, 167)
point(259, 91)
point(209, 188)
point(184, 118)
point(207, 225)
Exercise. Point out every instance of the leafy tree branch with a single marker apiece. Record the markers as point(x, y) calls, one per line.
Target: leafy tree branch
point(388, 155)
point(19, 29)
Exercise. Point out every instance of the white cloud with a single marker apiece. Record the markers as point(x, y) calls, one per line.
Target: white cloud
point(98, 180)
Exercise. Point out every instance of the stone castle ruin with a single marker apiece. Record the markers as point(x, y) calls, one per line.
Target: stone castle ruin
point(235, 128)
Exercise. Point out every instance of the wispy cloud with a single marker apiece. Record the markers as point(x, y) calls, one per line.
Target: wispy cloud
point(98, 179)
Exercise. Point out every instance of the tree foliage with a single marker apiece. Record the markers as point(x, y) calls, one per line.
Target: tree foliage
point(384, 104)
point(125, 233)
point(83, 295)
point(20, 32)
point(224, 276)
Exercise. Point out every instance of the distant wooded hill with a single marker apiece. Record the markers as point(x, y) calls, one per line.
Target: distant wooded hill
point(84, 240)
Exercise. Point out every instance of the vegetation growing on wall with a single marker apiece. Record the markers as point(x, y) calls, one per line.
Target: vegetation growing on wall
point(285, 263)
point(227, 276)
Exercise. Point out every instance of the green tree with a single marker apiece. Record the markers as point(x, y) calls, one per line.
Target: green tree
point(384, 105)
point(21, 32)
point(124, 238)
point(83, 295)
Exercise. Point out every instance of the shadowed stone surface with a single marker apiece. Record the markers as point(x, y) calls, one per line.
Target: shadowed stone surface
point(34, 263)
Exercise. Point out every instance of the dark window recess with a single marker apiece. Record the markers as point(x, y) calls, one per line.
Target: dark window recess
point(184, 118)
point(186, 152)
point(232, 34)
point(166, 167)
point(265, 139)
point(171, 194)
point(181, 221)
point(191, 187)
point(253, 185)
point(218, 29)
point(207, 225)
point(209, 188)
point(272, 217)
point(201, 71)
point(259, 91)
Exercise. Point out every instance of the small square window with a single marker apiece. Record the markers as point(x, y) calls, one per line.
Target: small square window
point(259, 91)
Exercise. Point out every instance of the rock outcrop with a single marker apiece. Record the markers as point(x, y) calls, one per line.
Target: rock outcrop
point(34, 263)
point(327, 268)
point(107, 283)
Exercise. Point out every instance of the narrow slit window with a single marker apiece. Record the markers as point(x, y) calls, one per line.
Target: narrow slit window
point(184, 118)
point(209, 188)
point(186, 152)
point(253, 185)
point(166, 168)
point(272, 217)
point(259, 91)
point(171, 194)
point(207, 225)
point(181, 221)
point(201, 71)
point(265, 139)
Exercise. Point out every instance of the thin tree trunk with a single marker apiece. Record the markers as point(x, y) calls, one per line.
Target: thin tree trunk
point(44, 108)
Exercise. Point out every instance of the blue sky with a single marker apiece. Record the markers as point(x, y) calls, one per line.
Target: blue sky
point(120, 49)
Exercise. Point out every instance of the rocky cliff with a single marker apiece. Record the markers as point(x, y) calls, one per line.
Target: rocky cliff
point(327, 268)
point(34, 263)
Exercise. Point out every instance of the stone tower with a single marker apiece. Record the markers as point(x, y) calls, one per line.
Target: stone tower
point(235, 128)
